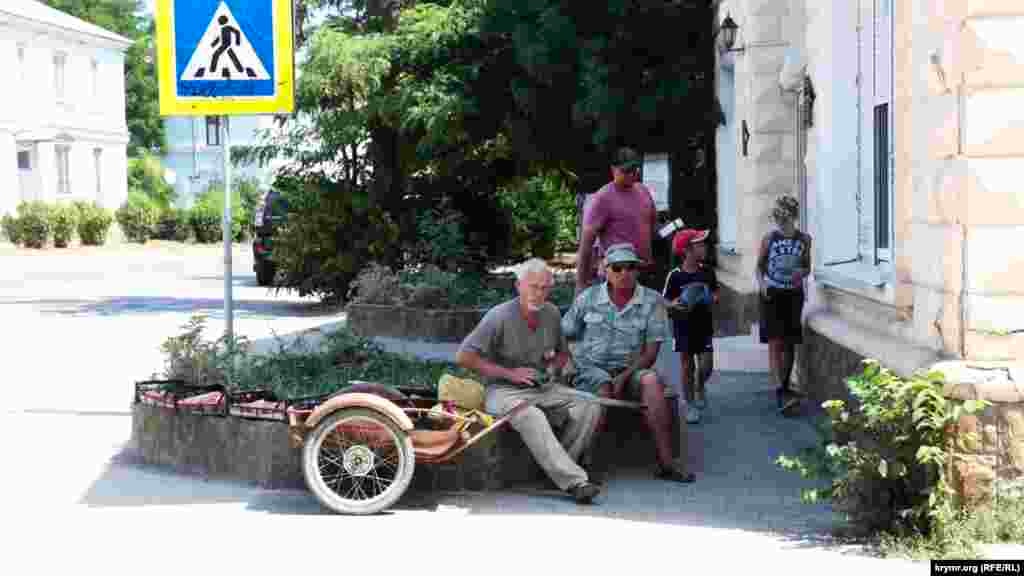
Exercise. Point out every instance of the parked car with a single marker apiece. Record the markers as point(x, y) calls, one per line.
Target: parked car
point(269, 214)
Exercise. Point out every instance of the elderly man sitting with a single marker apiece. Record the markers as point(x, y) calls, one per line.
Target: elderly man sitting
point(511, 347)
point(619, 326)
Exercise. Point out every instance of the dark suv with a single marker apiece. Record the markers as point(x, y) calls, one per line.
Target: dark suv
point(269, 214)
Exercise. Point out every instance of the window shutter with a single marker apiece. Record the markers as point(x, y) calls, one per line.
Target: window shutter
point(866, 115)
point(882, 128)
point(726, 160)
point(838, 176)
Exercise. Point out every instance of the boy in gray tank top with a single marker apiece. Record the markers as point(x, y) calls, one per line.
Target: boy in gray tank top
point(782, 266)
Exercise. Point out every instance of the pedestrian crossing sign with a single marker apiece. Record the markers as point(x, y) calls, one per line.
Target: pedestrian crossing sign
point(225, 57)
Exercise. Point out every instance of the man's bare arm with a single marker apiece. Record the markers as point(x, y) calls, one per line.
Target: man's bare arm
point(472, 361)
point(584, 266)
point(762, 262)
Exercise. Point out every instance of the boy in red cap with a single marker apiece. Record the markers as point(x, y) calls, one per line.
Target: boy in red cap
point(691, 289)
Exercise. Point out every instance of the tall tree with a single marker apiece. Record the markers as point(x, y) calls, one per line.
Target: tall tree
point(125, 17)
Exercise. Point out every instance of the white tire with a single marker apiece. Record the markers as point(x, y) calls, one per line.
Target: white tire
point(358, 461)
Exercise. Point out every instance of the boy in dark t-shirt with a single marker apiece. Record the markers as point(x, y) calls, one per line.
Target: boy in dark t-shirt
point(691, 289)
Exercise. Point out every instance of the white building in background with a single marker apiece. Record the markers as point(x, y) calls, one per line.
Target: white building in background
point(63, 130)
point(194, 157)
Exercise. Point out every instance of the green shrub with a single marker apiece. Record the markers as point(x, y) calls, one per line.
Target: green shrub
point(172, 224)
point(11, 227)
point(207, 213)
point(328, 235)
point(62, 224)
point(146, 175)
point(34, 226)
point(539, 209)
point(93, 223)
point(440, 239)
point(137, 217)
point(885, 461)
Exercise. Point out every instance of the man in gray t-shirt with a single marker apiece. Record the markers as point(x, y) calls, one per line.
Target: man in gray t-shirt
point(510, 348)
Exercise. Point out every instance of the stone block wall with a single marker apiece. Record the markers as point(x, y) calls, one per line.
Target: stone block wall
point(824, 366)
point(991, 463)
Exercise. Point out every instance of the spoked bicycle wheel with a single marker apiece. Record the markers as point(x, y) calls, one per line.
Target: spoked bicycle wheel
point(358, 461)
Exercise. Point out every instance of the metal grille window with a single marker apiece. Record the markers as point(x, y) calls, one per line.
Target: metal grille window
point(24, 160)
point(882, 224)
point(213, 131)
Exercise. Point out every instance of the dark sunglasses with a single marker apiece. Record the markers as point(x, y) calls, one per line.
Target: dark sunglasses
point(619, 268)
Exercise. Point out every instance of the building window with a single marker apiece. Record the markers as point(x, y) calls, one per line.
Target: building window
point(94, 77)
point(21, 62)
point(856, 181)
point(213, 131)
point(63, 154)
point(59, 65)
point(726, 160)
point(97, 162)
point(25, 160)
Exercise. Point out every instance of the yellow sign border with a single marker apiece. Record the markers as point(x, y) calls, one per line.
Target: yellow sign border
point(284, 73)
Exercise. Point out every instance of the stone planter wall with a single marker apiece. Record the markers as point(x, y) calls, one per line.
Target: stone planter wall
point(260, 452)
point(424, 324)
point(371, 320)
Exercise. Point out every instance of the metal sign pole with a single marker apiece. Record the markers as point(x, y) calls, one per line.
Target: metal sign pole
point(226, 228)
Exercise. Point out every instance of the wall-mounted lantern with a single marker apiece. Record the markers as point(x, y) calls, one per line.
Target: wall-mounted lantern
point(807, 97)
point(728, 30)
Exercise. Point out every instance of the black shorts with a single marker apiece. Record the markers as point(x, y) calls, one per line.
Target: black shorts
point(691, 341)
point(780, 316)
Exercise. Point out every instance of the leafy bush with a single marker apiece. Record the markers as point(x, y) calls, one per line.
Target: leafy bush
point(295, 369)
point(93, 223)
point(885, 461)
point(440, 240)
point(33, 224)
point(328, 234)
point(172, 224)
point(137, 217)
point(207, 213)
point(376, 284)
point(204, 218)
point(543, 216)
point(146, 175)
point(11, 228)
point(62, 223)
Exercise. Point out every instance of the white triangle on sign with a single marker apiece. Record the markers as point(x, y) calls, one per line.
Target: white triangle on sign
point(238, 61)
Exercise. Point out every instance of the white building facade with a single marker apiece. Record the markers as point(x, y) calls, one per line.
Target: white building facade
point(63, 129)
point(195, 153)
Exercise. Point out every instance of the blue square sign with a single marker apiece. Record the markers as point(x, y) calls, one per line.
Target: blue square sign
point(213, 52)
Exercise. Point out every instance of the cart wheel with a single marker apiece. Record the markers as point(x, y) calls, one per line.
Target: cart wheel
point(358, 461)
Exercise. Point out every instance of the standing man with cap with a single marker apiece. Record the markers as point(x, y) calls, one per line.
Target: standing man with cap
point(618, 326)
point(621, 211)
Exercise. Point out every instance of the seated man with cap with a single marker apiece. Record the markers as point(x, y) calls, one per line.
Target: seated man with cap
point(618, 326)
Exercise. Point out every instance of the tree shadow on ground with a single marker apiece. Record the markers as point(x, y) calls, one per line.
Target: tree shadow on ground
point(147, 305)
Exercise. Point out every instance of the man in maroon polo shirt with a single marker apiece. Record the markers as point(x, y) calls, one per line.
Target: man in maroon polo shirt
point(621, 211)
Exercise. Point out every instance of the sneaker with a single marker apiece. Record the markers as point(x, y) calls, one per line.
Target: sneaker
point(585, 493)
point(692, 415)
point(672, 474)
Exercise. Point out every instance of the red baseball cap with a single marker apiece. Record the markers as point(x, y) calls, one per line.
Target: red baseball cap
point(684, 238)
